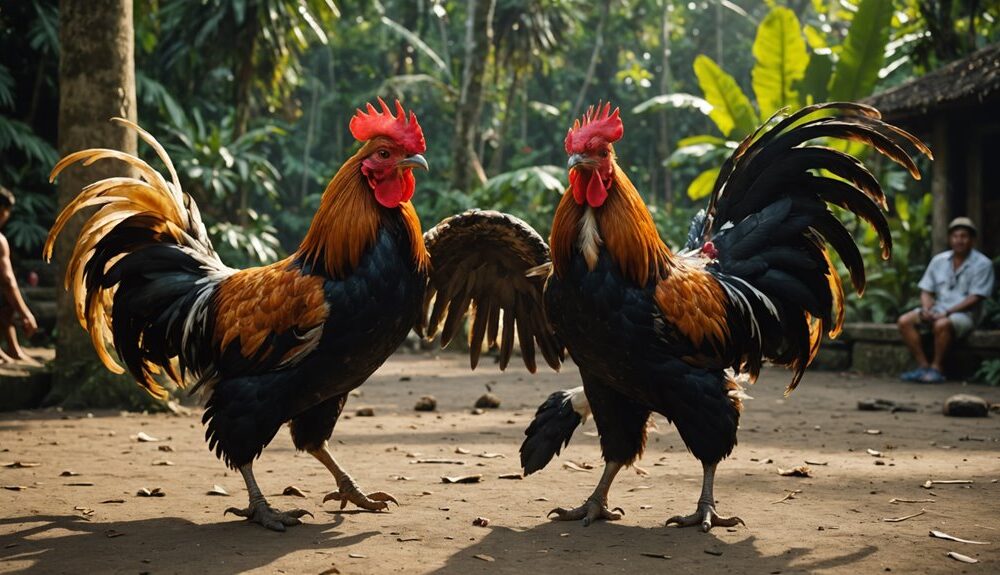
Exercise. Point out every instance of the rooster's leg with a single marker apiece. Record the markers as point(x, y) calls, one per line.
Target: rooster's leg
point(260, 512)
point(596, 506)
point(706, 516)
point(347, 489)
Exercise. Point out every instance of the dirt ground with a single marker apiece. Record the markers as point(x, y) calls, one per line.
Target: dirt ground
point(94, 522)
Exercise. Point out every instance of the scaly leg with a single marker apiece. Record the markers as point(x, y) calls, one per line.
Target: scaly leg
point(706, 515)
point(347, 489)
point(596, 506)
point(260, 512)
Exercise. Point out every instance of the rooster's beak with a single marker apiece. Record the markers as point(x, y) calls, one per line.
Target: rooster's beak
point(579, 159)
point(414, 161)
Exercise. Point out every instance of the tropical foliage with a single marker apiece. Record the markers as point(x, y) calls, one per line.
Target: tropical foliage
point(251, 97)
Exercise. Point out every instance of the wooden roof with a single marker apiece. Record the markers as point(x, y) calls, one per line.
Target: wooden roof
point(971, 81)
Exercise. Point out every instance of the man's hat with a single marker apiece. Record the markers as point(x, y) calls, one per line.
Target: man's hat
point(962, 222)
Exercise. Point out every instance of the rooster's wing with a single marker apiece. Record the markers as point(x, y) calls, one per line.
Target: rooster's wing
point(498, 264)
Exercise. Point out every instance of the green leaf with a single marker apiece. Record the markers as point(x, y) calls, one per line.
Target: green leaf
point(863, 52)
point(703, 139)
point(417, 43)
point(813, 85)
point(676, 100)
point(731, 109)
point(781, 60)
point(701, 187)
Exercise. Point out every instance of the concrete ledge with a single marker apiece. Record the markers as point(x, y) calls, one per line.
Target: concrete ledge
point(23, 387)
point(877, 348)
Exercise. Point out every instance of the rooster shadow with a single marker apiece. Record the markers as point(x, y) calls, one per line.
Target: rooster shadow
point(71, 544)
point(556, 547)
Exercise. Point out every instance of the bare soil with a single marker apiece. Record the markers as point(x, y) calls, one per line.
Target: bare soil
point(94, 522)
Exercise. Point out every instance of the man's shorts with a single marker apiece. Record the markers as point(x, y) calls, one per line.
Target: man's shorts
point(960, 322)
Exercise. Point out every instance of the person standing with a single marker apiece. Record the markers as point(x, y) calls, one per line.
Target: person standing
point(12, 306)
point(952, 290)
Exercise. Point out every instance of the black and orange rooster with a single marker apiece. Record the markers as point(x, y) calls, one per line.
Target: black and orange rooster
point(268, 345)
point(653, 330)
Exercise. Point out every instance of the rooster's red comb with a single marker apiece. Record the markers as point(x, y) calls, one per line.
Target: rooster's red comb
point(598, 123)
point(405, 132)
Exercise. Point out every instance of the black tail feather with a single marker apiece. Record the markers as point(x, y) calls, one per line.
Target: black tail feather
point(550, 430)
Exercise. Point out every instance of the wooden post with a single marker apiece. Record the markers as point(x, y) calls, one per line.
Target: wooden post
point(939, 185)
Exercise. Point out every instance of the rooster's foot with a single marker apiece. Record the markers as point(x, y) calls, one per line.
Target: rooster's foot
point(706, 518)
point(590, 511)
point(348, 492)
point(270, 517)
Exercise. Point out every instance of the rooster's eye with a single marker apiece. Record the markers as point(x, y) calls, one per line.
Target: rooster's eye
point(604, 153)
point(383, 154)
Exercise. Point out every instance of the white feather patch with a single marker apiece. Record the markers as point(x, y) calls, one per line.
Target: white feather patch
point(590, 241)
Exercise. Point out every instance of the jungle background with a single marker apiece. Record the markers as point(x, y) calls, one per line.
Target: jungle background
point(252, 98)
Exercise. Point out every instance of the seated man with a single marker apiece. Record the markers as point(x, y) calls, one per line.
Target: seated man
point(12, 305)
point(951, 293)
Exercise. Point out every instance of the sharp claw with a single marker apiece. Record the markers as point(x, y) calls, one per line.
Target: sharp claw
point(558, 511)
point(235, 511)
point(619, 510)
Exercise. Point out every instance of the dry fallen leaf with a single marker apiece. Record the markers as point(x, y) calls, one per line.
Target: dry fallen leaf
point(218, 490)
point(962, 558)
point(808, 462)
point(942, 535)
point(293, 490)
point(873, 431)
point(932, 482)
point(113, 501)
point(875, 453)
point(80, 484)
point(84, 510)
point(788, 495)
point(481, 522)
point(154, 492)
point(574, 467)
point(656, 555)
point(441, 461)
point(15, 487)
point(510, 476)
point(21, 464)
point(165, 448)
point(798, 471)
point(143, 437)
point(903, 518)
point(462, 451)
point(484, 557)
point(111, 533)
point(166, 462)
point(356, 556)
point(487, 455)
point(898, 500)
point(410, 538)
point(462, 479)
point(68, 473)
point(639, 488)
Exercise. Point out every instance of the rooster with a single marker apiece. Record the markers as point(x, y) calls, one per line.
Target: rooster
point(674, 333)
point(280, 343)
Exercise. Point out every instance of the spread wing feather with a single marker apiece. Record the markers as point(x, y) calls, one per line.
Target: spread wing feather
point(489, 261)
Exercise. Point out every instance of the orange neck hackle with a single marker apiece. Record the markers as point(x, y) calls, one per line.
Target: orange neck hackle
point(626, 230)
point(348, 220)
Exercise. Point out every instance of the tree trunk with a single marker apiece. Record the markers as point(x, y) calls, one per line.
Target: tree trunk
point(96, 82)
point(247, 39)
point(496, 165)
point(595, 56)
point(665, 82)
point(478, 32)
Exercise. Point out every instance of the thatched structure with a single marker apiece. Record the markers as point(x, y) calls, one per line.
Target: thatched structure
point(956, 109)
